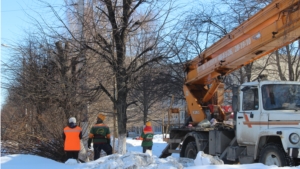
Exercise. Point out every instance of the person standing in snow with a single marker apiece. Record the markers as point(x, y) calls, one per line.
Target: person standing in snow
point(147, 136)
point(100, 135)
point(72, 135)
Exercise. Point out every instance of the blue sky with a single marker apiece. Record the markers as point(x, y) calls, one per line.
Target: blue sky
point(14, 20)
point(15, 17)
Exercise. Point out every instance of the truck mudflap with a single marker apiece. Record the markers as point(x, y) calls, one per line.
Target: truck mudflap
point(294, 152)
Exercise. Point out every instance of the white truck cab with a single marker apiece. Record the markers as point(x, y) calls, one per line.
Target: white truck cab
point(266, 128)
point(268, 121)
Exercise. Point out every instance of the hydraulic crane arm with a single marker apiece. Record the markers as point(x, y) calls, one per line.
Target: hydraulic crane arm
point(273, 27)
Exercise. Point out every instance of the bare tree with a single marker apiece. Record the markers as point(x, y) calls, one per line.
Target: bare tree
point(284, 63)
point(45, 92)
point(152, 86)
point(108, 28)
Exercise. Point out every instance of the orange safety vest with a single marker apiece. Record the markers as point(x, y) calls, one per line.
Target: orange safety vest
point(72, 141)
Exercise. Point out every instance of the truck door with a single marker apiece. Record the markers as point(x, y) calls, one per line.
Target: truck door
point(248, 117)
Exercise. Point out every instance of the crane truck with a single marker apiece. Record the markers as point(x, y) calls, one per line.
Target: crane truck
point(266, 126)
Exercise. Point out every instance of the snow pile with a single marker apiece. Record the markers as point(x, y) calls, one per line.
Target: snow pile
point(134, 160)
point(205, 159)
point(71, 162)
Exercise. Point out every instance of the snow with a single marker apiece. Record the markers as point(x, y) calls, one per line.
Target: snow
point(134, 158)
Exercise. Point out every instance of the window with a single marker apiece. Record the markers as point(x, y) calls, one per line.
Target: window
point(281, 96)
point(250, 98)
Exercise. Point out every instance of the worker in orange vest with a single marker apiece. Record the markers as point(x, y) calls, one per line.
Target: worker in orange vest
point(72, 136)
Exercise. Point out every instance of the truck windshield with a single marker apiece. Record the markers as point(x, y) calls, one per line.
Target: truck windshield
point(281, 96)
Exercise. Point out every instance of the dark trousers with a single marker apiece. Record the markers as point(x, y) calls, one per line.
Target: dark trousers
point(98, 147)
point(147, 148)
point(72, 154)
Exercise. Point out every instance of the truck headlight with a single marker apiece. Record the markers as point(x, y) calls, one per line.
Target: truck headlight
point(294, 138)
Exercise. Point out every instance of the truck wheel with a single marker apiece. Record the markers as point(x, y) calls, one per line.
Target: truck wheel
point(273, 154)
point(191, 150)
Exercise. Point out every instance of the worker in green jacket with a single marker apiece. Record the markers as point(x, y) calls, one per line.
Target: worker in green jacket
point(100, 136)
point(147, 136)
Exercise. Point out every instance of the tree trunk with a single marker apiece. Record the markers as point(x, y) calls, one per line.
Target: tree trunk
point(290, 65)
point(145, 105)
point(122, 120)
point(248, 69)
point(122, 143)
point(121, 104)
point(281, 75)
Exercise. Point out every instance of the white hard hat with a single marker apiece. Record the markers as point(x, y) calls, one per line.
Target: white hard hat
point(72, 120)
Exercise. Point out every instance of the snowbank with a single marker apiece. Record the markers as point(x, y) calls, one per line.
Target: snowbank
point(133, 160)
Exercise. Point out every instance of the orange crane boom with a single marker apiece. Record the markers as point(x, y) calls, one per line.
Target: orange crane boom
point(273, 27)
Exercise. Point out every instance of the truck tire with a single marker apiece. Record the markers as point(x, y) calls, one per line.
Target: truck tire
point(191, 150)
point(273, 154)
